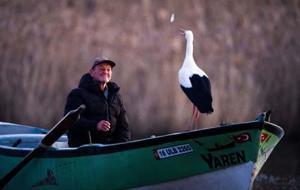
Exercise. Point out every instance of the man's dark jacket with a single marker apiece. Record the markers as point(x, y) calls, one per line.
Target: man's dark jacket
point(98, 108)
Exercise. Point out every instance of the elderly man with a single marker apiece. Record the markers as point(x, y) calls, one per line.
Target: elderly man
point(104, 120)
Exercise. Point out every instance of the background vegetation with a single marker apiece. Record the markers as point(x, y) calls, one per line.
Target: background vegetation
point(248, 48)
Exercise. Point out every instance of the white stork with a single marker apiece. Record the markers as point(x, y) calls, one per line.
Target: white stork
point(193, 80)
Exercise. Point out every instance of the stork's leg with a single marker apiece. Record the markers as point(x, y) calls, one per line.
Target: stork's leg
point(194, 111)
point(195, 118)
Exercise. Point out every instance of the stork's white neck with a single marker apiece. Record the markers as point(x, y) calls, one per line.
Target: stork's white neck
point(189, 47)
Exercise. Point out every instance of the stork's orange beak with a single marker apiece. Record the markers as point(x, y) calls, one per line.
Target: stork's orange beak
point(181, 31)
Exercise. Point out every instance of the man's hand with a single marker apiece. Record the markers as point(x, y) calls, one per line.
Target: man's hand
point(103, 125)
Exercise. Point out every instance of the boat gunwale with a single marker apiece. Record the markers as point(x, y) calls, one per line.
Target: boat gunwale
point(96, 149)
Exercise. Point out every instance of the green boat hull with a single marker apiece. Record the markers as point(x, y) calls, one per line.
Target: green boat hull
point(142, 163)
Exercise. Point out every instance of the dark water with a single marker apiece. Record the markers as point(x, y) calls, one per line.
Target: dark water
point(282, 169)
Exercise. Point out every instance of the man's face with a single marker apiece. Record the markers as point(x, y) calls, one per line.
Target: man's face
point(101, 72)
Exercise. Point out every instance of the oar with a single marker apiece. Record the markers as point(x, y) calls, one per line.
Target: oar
point(57, 131)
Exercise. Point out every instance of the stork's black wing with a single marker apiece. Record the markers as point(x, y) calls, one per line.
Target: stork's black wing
point(200, 93)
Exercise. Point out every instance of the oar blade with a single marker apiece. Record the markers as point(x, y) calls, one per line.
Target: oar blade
point(57, 131)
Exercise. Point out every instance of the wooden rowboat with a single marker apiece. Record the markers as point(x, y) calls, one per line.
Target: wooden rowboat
point(225, 157)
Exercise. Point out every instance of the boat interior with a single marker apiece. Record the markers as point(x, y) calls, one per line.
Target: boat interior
point(30, 141)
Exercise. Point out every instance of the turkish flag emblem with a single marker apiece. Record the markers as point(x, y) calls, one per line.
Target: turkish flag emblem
point(244, 137)
point(264, 137)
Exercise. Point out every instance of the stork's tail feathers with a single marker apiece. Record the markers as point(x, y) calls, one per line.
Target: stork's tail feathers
point(206, 109)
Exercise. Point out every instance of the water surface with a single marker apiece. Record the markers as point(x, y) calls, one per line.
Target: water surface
point(282, 169)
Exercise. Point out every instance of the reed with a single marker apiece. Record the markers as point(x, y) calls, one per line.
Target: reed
point(249, 49)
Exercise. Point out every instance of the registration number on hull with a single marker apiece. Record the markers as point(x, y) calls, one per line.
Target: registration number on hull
point(172, 151)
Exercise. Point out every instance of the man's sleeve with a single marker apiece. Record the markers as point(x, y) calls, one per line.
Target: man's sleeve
point(73, 101)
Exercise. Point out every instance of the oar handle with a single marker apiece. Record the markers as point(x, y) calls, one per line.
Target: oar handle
point(57, 131)
point(62, 126)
